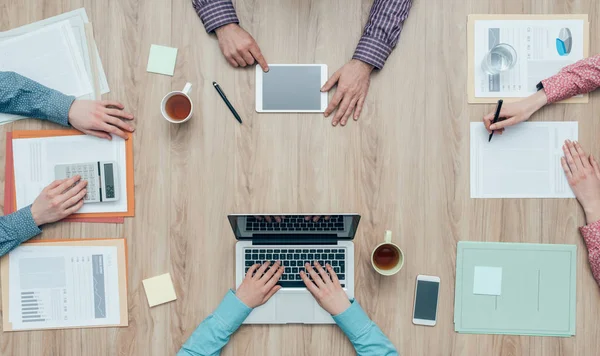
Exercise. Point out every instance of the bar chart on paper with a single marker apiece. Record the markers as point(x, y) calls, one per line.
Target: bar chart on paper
point(55, 287)
point(32, 307)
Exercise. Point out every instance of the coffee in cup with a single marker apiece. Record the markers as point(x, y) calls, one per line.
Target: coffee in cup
point(387, 258)
point(177, 107)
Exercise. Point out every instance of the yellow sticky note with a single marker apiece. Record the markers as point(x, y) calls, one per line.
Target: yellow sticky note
point(162, 60)
point(159, 289)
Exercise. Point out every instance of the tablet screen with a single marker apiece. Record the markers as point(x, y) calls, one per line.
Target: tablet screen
point(292, 88)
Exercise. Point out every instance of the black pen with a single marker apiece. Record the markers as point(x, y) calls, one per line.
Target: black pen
point(218, 88)
point(496, 116)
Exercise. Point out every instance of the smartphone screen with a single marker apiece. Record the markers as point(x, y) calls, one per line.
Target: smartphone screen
point(426, 300)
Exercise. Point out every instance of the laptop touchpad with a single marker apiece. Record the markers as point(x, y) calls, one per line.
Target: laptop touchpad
point(295, 307)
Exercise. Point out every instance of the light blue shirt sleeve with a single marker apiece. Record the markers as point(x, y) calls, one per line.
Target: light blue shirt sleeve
point(214, 332)
point(22, 96)
point(365, 336)
point(16, 228)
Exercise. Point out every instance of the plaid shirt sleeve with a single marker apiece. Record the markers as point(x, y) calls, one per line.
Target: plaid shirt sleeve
point(215, 13)
point(382, 31)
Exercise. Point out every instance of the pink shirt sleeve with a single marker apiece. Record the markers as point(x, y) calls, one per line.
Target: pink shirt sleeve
point(591, 236)
point(578, 78)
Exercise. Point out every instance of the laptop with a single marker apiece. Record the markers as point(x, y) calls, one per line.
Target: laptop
point(294, 239)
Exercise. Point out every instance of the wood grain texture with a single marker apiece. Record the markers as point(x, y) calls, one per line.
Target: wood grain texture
point(403, 166)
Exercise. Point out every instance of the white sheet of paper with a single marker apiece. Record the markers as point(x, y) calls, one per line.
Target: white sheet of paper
point(48, 56)
point(77, 20)
point(487, 280)
point(524, 162)
point(35, 158)
point(59, 286)
point(537, 55)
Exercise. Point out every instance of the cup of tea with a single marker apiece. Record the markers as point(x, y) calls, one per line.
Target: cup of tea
point(387, 258)
point(177, 107)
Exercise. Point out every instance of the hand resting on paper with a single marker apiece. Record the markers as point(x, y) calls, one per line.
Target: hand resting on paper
point(583, 174)
point(100, 118)
point(59, 200)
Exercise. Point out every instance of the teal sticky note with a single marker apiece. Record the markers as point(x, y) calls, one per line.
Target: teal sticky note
point(162, 60)
point(487, 280)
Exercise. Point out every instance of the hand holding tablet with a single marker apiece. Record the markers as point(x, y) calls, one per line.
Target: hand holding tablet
point(353, 81)
point(291, 88)
point(303, 88)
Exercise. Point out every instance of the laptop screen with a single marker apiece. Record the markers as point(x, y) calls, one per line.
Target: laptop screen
point(338, 226)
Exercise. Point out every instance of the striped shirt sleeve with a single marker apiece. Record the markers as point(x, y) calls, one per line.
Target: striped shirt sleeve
point(215, 13)
point(382, 31)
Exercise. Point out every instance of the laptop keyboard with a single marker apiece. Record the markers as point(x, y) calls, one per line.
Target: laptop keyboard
point(295, 223)
point(293, 259)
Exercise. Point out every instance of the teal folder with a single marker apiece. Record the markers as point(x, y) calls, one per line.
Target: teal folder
point(515, 288)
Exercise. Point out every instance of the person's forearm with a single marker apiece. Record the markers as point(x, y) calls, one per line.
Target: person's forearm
point(16, 228)
point(22, 96)
point(382, 31)
point(365, 336)
point(214, 332)
point(578, 78)
point(215, 13)
point(591, 236)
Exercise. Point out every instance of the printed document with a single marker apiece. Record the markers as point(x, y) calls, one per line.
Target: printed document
point(524, 162)
point(35, 159)
point(77, 20)
point(543, 48)
point(63, 286)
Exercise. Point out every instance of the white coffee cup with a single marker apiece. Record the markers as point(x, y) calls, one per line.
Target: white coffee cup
point(185, 93)
point(388, 244)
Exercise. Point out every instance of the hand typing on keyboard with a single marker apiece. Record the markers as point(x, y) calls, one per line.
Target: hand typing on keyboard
point(260, 284)
point(59, 200)
point(326, 288)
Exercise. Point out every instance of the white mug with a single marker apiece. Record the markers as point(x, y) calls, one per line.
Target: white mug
point(185, 92)
point(390, 245)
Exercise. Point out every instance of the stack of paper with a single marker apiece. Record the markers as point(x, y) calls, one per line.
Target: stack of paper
point(65, 284)
point(515, 288)
point(37, 49)
point(524, 162)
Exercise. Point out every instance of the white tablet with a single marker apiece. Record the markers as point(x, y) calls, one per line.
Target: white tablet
point(291, 88)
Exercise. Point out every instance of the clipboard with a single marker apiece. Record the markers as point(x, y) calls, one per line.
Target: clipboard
point(9, 196)
point(536, 293)
point(119, 243)
point(129, 169)
point(471, 99)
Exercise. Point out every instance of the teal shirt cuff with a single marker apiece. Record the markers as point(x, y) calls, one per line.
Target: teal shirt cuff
point(58, 106)
point(353, 321)
point(232, 311)
point(28, 228)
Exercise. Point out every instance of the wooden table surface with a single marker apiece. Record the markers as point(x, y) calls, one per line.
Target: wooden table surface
point(403, 166)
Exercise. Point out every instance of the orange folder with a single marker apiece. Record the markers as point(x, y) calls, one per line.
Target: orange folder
point(9, 196)
point(116, 217)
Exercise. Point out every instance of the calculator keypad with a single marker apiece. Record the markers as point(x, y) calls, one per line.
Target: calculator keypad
point(88, 172)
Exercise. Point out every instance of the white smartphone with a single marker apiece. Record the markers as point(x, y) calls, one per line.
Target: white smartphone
point(291, 88)
point(426, 300)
